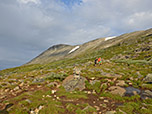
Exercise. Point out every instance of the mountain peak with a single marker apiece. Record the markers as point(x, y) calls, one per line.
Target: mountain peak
point(58, 46)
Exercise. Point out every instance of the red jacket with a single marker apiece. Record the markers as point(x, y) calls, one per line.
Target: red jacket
point(99, 59)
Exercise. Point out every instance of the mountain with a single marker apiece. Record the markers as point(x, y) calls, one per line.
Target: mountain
point(64, 79)
point(62, 51)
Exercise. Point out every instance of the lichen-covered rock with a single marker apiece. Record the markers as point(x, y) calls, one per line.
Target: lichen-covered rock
point(117, 90)
point(71, 83)
point(148, 78)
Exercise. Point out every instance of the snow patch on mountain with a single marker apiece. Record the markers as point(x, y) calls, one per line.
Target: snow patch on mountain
point(74, 49)
point(108, 38)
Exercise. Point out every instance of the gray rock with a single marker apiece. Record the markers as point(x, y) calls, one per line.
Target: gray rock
point(146, 94)
point(29, 101)
point(52, 84)
point(139, 75)
point(117, 90)
point(71, 83)
point(87, 108)
point(148, 78)
point(130, 91)
point(38, 80)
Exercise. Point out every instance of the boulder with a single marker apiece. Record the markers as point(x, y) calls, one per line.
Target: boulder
point(148, 78)
point(146, 94)
point(130, 91)
point(71, 83)
point(117, 90)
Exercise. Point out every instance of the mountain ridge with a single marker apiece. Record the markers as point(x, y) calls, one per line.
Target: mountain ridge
point(61, 51)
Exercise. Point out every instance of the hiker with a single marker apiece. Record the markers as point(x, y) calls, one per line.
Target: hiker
point(100, 61)
point(95, 61)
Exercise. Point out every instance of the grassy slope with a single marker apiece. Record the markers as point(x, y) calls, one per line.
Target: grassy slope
point(128, 68)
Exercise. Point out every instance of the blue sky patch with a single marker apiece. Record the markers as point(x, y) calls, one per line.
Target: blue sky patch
point(70, 3)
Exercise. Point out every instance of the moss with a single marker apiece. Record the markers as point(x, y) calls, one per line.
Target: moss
point(71, 95)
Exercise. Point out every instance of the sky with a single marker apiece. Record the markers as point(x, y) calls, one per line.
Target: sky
point(29, 27)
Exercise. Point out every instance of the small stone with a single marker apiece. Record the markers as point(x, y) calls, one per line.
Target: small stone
point(85, 91)
point(97, 108)
point(14, 94)
point(29, 101)
point(103, 105)
point(122, 111)
point(94, 92)
point(57, 98)
point(131, 78)
point(6, 90)
point(92, 78)
point(16, 88)
point(114, 79)
point(2, 97)
point(103, 84)
point(148, 78)
point(89, 92)
point(40, 107)
point(53, 91)
point(101, 98)
point(110, 112)
point(143, 108)
point(52, 84)
point(120, 83)
point(21, 84)
point(39, 86)
point(135, 92)
point(48, 96)
point(36, 111)
point(106, 101)
point(32, 112)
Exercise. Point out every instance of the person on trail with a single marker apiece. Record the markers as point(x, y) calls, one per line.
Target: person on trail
point(95, 61)
point(100, 60)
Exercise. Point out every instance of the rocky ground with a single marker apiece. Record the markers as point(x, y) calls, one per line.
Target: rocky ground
point(101, 92)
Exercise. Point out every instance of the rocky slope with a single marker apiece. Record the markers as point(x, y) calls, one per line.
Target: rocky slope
point(73, 85)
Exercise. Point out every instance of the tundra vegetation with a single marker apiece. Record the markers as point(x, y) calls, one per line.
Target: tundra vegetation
point(121, 85)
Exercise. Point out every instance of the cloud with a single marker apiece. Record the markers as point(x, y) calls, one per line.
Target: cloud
point(29, 1)
point(28, 27)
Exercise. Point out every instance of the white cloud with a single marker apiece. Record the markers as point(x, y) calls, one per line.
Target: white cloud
point(28, 27)
point(28, 1)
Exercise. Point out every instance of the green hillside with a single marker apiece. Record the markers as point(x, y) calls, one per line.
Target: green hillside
point(122, 84)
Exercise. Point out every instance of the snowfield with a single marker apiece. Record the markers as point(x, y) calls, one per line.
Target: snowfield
point(77, 47)
point(108, 38)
